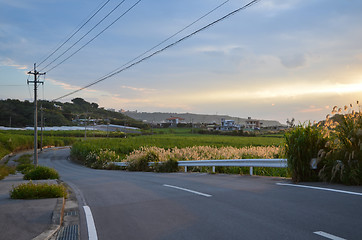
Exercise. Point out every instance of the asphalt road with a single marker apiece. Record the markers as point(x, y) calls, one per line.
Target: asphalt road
point(137, 205)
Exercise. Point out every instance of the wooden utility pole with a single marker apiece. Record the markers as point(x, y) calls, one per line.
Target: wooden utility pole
point(35, 82)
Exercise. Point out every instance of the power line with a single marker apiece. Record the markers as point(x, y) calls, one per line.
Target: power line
point(163, 49)
point(84, 35)
point(129, 9)
point(159, 44)
point(99, 9)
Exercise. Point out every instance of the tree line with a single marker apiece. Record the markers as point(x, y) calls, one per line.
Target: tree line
point(16, 113)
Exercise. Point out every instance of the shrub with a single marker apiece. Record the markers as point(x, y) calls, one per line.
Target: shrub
point(24, 159)
point(25, 168)
point(101, 159)
point(41, 172)
point(302, 144)
point(5, 171)
point(141, 163)
point(37, 191)
point(170, 165)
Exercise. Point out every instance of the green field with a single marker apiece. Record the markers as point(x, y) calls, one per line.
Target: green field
point(14, 141)
point(124, 146)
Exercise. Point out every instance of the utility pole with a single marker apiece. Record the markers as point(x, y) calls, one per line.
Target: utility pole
point(35, 82)
point(41, 127)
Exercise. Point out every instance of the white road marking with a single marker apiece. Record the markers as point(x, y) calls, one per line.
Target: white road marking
point(327, 235)
point(320, 188)
point(188, 190)
point(92, 232)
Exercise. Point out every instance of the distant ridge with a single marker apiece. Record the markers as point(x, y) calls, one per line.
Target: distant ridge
point(158, 117)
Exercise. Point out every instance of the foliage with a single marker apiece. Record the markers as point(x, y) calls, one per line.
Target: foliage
point(14, 141)
point(141, 163)
point(37, 191)
point(101, 159)
point(41, 172)
point(166, 160)
point(15, 113)
point(302, 143)
point(170, 165)
point(342, 155)
point(203, 153)
point(25, 168)
point(5, 171)
point(125, 146)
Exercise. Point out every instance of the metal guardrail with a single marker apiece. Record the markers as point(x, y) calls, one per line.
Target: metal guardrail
point(275, 163)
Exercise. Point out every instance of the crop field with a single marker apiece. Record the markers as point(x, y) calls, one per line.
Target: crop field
point(124, 146)
point(13, 141)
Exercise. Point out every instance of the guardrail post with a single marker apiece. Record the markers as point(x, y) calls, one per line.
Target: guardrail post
point(213, 169)
point(251, 171)
point(185, 168)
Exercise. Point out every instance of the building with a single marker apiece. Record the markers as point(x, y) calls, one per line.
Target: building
point(252, 124)
point(228, 125)
point(174, 121)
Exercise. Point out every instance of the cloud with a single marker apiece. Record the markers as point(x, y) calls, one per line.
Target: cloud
point(293, 61)
point(311, 109)
point(139, 89)
point(11, 63)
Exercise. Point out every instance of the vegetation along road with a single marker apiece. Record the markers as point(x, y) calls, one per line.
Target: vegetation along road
point(144, 205)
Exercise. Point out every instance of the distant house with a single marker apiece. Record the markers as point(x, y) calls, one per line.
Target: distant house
point(252, 124)
point(174, 121)
point(57, 106)
point(228, 125)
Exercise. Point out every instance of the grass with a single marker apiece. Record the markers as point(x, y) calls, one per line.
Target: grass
point(16, 140)
point(38, 191)
point(125, 146)
point(5, 171)
point(41, 172)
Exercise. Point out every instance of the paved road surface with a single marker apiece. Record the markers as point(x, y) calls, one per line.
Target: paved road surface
point(136, 205)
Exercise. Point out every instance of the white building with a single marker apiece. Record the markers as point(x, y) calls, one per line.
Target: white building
point(228, 125)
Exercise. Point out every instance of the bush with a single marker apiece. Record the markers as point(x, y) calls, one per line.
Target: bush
point(302, 144)
point(170, 165)
point(24, 159)
point(41, 172)
point(37, 191)
point(25, 168)
point(101, 159)
point(5, 171)
point(141, 163)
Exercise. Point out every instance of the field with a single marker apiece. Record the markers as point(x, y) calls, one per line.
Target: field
point(14, 141)
point(124, 146)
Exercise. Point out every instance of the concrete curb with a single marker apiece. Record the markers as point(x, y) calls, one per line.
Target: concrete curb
point(6, 157)
point(57, 220)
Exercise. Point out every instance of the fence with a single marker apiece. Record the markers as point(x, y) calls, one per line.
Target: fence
point(275, 163)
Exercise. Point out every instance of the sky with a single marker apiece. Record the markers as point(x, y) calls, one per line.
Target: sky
point(275, 60)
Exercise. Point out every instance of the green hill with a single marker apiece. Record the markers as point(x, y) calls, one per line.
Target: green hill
point(16, 113)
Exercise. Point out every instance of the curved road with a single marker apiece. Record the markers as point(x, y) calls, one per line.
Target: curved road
point(137, 205)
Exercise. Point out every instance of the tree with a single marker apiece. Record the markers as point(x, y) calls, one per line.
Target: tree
point(291, 123)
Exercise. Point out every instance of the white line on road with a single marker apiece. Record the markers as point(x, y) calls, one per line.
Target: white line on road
point(92, 232)
point(327, 235)
point(320, 188)
point(188, 190)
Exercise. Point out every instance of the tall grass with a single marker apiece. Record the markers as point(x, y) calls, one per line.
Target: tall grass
point(302, 143)
point(15, 141)
point(125, 146)
point(342, 155)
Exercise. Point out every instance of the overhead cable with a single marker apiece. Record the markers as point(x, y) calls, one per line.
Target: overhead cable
point(129, 9)
point(67, 40)
point(159, 44)
point(162, 49)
